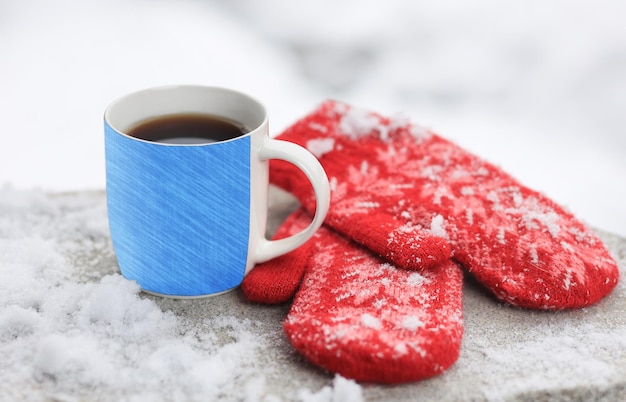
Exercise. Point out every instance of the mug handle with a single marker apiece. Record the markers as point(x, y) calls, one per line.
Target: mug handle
point(310, 166)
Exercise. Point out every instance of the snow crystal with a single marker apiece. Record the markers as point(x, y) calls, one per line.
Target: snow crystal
point(412, 323)
point(17, 322)
point(370, 321)
point(407, 228)
point(567, 282)
point(398, 121)
point(401, 121)
point(551, 356)
point(492, 196)
point(530, 210)
point(401, 348)
point(482, 172)
point(432, 172)
point(365, 294)
point(357, 122)
point(333, 183)
point(534, 256)
point(401, 186)
point(437, 226)
point(469, 214)
point(501, 236)
point(549, 219)
point(380, 303)
point(518, 198)
point(439, 192)
point(342, 390)
point(366, 204)
point(320, 146)
point(567, 246)
point(318, 127)
point(416, 279)
point(467, 190)
point(419, 132)
point(581, 235)
point(364, 167)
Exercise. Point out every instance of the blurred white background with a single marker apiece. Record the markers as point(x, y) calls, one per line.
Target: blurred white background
point(535, 86)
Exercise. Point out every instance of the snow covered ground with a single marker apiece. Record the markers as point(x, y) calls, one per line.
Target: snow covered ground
point(73, 329)
point(537, 87)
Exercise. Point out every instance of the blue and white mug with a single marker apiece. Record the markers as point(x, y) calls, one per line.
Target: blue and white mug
point(188, 219)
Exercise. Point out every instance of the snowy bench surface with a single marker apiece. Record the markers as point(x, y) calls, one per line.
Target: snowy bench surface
point(72, 327)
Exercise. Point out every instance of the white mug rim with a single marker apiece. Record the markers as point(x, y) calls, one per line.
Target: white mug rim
point(118, 103)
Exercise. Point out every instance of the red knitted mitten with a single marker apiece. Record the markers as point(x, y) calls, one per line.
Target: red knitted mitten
point(276, 281)
point(359, 316)
point(526, 249)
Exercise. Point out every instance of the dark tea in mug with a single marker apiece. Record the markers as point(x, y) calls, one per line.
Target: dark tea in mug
point(188, 128)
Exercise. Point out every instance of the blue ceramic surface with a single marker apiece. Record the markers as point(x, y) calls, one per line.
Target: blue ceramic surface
point(179, 215)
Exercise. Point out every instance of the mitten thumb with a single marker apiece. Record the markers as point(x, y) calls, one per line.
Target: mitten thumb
point(276, 281)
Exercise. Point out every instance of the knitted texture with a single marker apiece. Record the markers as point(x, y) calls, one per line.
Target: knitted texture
point(276, 281)
point(359, 316)
point(388, 173)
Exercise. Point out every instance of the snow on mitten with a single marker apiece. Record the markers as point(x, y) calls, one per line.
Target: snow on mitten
point(522, 246)
point(361, 317)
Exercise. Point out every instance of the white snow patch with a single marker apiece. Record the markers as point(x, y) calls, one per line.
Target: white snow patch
point(342, 390)
point(357, 123)
point(530, 211)
point(493, 197)
point(548, 219)
point(432, 172)
point(467, 190)
point(419, 133)
point(567, 282)
point(380, 303)
point(320, 146)
point(364, 167)
point(370, 321)
point(416, 279)
point(402, 121)
point(501, 236)
point(401, 348)
point(333, 183)
point(469, 214)
point(437, 226)
point(534, 256)
point(318, 127)
point(482, 172)
point(367, 204)
point(550, 354)
point(69, 326)
point(16, 321)
point(568, 247)
point(412, 323)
